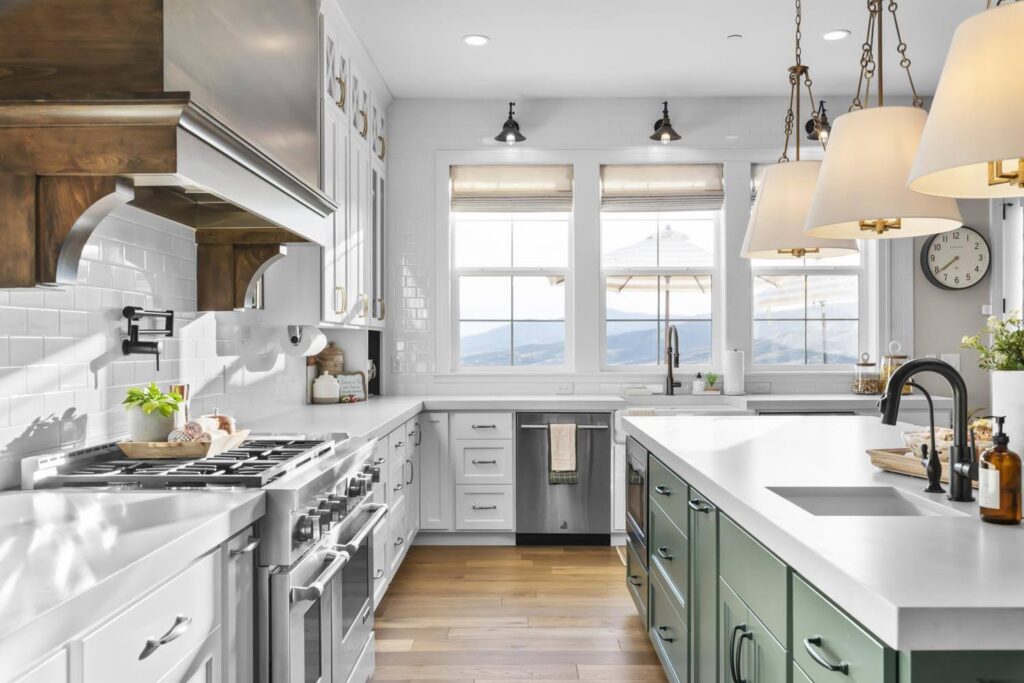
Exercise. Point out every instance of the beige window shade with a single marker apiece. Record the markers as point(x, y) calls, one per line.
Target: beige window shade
point(662, 187)
point(756, 174)
point(511, 188)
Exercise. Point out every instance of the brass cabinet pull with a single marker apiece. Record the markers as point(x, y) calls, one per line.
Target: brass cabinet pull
point(343, 92)
point(181, 625)
point(366, 123)
point(383, 147)
point(340, 303)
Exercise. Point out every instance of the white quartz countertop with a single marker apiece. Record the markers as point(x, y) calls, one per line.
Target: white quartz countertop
point(67, 558)
point(918, 583)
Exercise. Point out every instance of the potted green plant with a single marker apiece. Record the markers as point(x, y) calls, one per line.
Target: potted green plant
point(1003, 357)
point(151, 412)
point(710, 379)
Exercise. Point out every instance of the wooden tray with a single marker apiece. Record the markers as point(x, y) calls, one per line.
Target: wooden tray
point(902, 461)
point(173, 450)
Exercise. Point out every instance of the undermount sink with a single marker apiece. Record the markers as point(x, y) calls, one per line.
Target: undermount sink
point(861, 501)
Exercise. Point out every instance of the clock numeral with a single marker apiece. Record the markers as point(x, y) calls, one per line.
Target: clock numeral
point(981, 257)
point(931, 257)
point(937, 247)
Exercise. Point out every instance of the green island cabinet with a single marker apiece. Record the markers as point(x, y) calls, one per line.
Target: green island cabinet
point(722, 608)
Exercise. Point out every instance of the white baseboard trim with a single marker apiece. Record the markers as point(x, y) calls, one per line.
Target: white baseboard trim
point(465, 538)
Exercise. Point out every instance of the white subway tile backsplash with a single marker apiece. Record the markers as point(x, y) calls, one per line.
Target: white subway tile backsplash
point(42, 378)
point(62, 297)
point(74, 323)
point(42, 321)
point(74, 376)
point(26, 298)
point(27, 409)
point(26, 350)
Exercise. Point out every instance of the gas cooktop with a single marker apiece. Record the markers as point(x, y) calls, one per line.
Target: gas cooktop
point(254, 464)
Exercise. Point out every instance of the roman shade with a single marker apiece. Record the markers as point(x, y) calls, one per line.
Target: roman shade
point(511, 188)
point(662, 187)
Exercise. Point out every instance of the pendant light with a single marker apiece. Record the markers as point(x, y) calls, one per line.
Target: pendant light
point(862, 190)
point(818, 128)
point(663, 131)
point(510, 131)
point(776, 222)
point(973, 143)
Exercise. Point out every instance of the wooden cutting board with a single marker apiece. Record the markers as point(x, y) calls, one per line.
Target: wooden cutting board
point(902, 461)
point(174, 450)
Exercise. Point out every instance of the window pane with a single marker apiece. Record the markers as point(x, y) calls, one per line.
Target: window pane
point(778, 342)
point(694, 342)
point(631, 297)
point(538, 298)
point(485, 344)
point(482, 243)
point(538, 343)
point(540, 244)
point(686, 242)
point(631, 343)
point(629, 240)
point(779, 296)
point(832, 296)
point(689, 296)
point(485, 298)
point(831, 342)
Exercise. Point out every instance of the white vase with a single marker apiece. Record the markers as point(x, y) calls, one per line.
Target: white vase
point(152, 427)
point(1008, 398)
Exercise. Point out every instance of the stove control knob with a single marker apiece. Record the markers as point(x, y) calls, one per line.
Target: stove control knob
point(376, 474)
point(367, 480)
point(321, 523)
point(355, 488)
point(324, 508)
point(306, 528)
point(339, 502)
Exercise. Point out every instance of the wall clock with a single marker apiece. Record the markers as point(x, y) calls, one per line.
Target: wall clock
point(957, 259)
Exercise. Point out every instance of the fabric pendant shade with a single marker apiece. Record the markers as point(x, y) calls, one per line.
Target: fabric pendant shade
point(862, 189)
point(975, 118)
point(777, 220)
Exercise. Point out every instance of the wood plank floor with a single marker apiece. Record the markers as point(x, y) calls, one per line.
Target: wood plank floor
point(480, 614)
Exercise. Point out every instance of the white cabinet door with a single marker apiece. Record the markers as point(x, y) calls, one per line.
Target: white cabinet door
point(398, 538)
point(1013, 257)
point(436, 480)
point(412, 482)
point(202, 665)
point(239, 607)
point(54, 669)
point(358, 231)
point(618, 487)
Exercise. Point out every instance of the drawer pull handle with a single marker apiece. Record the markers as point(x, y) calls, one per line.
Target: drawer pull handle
point(181, 625)
point(699, 506)
point(379, 574)
point(485, 507)
point(398, 487)
point(247, 548)
point(663, 490)
point(736, 652)
point(400, 540)
point(635, 581)
point(812, 644)
point(485, 462)
point(662, 631)
point(485, 426)
point(400, 444)
point(664, 554)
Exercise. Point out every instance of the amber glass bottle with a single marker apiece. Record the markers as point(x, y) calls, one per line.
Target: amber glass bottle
point(999, 480)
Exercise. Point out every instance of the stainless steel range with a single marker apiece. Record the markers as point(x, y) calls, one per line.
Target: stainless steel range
point(315, 559)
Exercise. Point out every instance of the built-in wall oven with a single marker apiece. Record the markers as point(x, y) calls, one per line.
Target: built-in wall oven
point(636, 524)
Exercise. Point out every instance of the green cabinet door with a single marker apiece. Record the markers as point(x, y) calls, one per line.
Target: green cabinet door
point(747, 651)
point(765, 661)
point(732, 622)
point(703, 588)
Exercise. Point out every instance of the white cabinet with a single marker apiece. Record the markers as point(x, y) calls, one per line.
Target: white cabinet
point(239, 628)
point(619, 487)
point(484, 508)
point(482, 461)
point(415, 434)
point(482, 426)
point(1012, 256)
point(202, 665)
point(53, 669)
point(437, 476)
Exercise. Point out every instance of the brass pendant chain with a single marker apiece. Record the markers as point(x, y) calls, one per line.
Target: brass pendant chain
point(870, 63)
point(797, 72)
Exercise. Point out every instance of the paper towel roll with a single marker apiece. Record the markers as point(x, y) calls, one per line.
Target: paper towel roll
point(303, 340)
point(734, 369)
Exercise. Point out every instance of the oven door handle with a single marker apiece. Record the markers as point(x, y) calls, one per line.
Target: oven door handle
point(352, 547)
point(315, 590)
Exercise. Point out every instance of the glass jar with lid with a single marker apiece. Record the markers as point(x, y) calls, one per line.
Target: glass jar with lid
point(866, 378)
point(890, 362)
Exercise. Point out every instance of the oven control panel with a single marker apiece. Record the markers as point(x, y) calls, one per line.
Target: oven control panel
point(331, 508)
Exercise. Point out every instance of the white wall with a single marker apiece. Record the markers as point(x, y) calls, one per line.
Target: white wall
point(425, 132)
point(62, 374)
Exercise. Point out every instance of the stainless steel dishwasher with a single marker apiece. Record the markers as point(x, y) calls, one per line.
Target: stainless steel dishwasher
point(575, 510)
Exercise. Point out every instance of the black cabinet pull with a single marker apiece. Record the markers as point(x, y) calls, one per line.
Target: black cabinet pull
point(812, 644)
point(736, 651)
point(635, 581)
point(661, 631)
point(699, 506)
point(663, 490)
point(664, 554)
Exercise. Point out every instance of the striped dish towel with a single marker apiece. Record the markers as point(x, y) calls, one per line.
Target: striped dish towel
point(562, 465)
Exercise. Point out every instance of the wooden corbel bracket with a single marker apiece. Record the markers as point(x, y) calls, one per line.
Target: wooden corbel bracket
point(230, 264)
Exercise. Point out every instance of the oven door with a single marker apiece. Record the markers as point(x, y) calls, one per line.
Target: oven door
point(302, 607)
point(353, 621)
point(636, 496)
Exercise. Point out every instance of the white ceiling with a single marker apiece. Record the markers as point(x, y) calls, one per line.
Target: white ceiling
point(636, 48)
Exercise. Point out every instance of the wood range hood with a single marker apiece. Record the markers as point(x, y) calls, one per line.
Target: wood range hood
point(78, 140)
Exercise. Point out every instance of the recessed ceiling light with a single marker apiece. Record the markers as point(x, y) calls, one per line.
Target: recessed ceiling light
point(475, 40)
point(734, 36)
point(838, 34)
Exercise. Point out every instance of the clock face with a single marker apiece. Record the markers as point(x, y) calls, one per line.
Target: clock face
point(957, 259)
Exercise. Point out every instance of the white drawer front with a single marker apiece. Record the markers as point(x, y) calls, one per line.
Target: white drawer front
point(398, 447)
point(484, 508)
point(398, 537)
point(53, 670)
point(395, 489)
point(485, 462)
point(112, 653)
point(482, 426)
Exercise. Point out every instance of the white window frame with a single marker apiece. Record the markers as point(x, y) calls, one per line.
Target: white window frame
point(453, 275)
point(715, 271)
point(867, 306)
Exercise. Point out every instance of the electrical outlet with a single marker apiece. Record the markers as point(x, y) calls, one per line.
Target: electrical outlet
point(564, 390)
point(760, 387)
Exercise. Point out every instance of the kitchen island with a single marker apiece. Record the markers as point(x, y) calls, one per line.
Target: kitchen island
point(920, 576)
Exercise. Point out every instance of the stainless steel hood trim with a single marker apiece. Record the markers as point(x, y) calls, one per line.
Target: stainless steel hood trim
point(71, 251)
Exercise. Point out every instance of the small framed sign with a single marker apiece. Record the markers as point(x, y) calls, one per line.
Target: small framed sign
point(353, 386)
